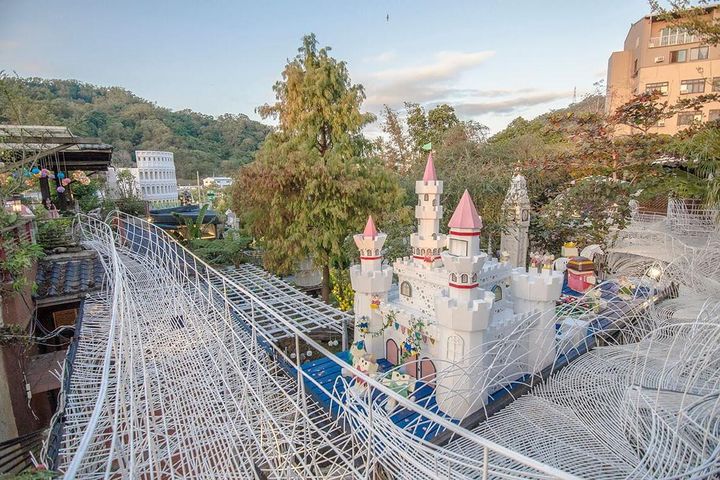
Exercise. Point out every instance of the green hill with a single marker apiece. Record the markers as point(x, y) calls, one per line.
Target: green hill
point(209, 145)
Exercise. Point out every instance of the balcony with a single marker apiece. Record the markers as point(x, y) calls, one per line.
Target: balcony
point(673, 39)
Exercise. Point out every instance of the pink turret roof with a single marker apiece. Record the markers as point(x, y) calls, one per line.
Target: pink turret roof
point(429, 175)
point(370, 230)
point(465, 215)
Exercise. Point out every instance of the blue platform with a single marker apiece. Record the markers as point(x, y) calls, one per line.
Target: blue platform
point(327, 372)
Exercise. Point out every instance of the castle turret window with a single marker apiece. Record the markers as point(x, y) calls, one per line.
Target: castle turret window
point(453, 278)
point(377, 252)
point(497, 290)
point(474, 277)
point(406, 289)
point(427, 197)
point(464, 278)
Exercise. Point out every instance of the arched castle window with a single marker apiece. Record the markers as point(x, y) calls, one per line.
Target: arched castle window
point(464, 278)
point(427, 197)
point(435, 251)
point(369, 253)
point(377, 252)
point(434, 236)
point(453, 278)
point(406, 289)
point(434, 202)
point(455, 348)
point(497, 290)
point(474, 277)
point(422, 251)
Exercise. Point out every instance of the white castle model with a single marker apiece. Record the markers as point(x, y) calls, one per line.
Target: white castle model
point(454, 300)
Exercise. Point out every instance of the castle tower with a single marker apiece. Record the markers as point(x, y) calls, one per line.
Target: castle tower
point(516, 210)
point(535, 293)
point(371, 282)
point(428, 242)
point(463, 314)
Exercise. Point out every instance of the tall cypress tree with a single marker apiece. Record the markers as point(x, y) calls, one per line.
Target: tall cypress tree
point(313, 181)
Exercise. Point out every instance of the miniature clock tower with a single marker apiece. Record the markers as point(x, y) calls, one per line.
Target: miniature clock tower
point(516, 209)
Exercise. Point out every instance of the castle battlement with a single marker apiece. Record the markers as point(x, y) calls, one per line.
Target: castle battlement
point(372, 281)
point(536, 287)
point(467, 265)
point(462, 315)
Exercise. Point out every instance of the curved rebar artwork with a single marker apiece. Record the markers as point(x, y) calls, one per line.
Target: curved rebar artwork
point(172, 378)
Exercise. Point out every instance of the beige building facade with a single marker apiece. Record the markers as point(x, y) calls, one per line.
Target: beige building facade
point(658, 56)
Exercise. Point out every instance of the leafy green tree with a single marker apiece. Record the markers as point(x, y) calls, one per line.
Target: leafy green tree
point(585, 212)
point(313, 182)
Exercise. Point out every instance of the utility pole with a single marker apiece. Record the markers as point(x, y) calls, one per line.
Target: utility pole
point(198, 187)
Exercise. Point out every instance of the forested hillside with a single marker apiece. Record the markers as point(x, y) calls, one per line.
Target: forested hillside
point(210, 145)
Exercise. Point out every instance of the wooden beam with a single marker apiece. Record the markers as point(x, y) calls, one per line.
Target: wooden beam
point(44, 140)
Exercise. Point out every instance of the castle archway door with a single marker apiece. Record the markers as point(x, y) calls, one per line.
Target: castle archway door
point(392, 352)
point(427, 372)
point(411, 365)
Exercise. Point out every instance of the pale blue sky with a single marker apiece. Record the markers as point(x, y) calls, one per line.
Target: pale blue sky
point(493, 60)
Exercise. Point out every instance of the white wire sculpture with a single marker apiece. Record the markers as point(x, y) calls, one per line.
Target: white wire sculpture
point(178, 373)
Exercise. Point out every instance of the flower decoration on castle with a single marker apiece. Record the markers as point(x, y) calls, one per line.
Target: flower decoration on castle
point(416, 335)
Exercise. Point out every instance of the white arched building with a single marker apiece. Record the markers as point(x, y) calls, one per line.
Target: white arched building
point(155, 177)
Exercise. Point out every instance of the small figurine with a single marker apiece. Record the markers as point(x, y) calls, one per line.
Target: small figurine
point(581, 274)
point(356, 351)
point(534, 260)
point(367, 365)
point(400, 383)
point(569, 249)
point(504, 256)
point(375, 302)
point(627, 289)
point(548, 262)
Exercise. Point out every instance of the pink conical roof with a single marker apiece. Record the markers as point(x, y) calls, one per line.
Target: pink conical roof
point(370, 230)
point(429, 175)
point(465, 215)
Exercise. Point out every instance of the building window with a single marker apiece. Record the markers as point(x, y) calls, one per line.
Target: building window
point(716, 84)
point(453, 277)
point(660, 87)
point(427, 197)
point(635, 67)
point(692, 86)
point(678, 56)
point(675, 36)
point(464, 278)
point(714, 115)
point(406, 289)
point(687, 118)
point(699, 53)
point(497, 290)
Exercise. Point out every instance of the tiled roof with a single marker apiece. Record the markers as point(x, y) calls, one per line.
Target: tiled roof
point(61, 275)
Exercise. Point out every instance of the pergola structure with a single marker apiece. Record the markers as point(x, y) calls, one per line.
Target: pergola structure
point(56, 149)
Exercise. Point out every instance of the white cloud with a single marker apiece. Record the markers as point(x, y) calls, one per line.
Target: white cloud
point(446, 65)
point(510, 104)
point(383, 57)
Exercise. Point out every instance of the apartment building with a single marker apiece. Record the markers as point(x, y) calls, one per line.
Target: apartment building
point(658, 56)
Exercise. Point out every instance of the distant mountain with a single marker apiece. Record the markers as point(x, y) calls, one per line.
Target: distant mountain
point(209, 145)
